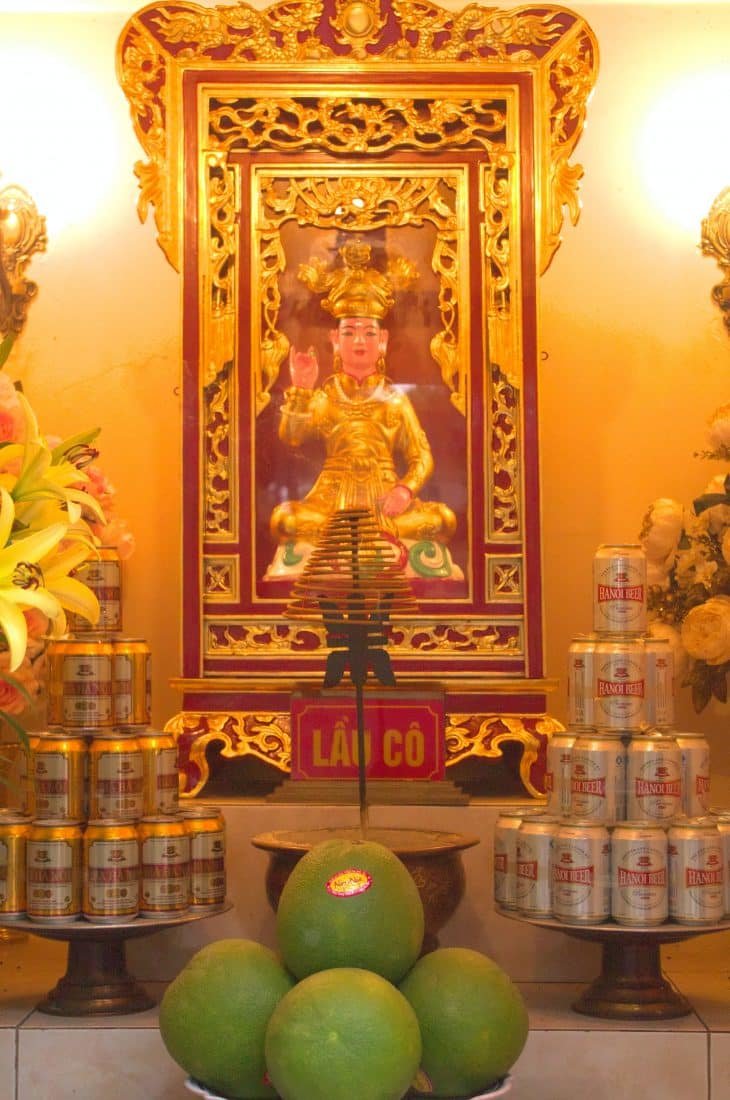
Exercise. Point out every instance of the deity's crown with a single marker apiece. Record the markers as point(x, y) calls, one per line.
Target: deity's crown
point(355, 289)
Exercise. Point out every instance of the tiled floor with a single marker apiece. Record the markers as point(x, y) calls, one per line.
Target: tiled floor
point(567, 1056)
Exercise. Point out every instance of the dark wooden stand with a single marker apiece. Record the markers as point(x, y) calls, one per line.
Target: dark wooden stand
point(97, 982)
point(631, 985)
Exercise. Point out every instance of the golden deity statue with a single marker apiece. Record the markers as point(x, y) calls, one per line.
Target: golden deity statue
point(377, 455)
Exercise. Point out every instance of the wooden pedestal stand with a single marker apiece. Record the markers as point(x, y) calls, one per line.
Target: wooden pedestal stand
point(631, 985)
point(97, 982)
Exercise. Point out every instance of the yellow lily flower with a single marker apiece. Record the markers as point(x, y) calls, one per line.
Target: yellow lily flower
point(24, 583)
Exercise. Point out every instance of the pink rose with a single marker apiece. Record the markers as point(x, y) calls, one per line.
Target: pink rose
point(36, 622)
point(116, 534)
point(12, 421)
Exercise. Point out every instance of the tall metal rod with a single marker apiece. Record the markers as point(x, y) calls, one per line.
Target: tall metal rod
point(358, 674)
point(361, 761)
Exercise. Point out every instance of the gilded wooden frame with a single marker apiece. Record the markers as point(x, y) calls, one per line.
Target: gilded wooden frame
point(354, 115)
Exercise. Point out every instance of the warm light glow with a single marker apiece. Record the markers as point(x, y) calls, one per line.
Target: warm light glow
point(56, 138)
point(684, 154)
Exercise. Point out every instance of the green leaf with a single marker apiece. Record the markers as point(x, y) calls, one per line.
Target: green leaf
point(6, 347)
point(718, 683)
point(14, 724)
point(700, 695)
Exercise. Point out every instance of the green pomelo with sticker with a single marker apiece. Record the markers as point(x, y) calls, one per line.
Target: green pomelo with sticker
point(350, 903)
point(214, 1014)
point(472, 1018)
point(343, 1034)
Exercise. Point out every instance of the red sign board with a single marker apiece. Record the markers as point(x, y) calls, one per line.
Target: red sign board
point(404, 736)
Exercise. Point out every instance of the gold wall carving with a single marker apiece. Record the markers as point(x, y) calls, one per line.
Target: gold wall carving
point(267, 736)
point(461, 638)
point(221, 578)
point(359, 202)
point(503, 474)
point(22, 233)
point(505, 577)
point(266, 130)
point(161, 41)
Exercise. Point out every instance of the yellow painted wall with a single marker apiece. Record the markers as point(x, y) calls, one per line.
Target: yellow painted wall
point(635, 357)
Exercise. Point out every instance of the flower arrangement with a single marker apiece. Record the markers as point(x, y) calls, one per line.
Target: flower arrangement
point(688, 575)
point(56, 507)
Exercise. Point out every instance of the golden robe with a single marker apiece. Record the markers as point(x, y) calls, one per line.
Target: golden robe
point(366, 427)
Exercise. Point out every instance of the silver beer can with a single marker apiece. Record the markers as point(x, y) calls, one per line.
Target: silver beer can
point(557, 772)
point(505, 853)
point(639, 873)
point(581, 680)
point(598, 777)
point(619, 589)
point(696, 872)
point(581, 873)
point(653, 777)
point(534, 865)
point(722, 818)
point(659, 698)
point(695, 773)
point(619, 684)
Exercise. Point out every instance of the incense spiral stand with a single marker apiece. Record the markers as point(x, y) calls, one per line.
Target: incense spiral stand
point(353, 584)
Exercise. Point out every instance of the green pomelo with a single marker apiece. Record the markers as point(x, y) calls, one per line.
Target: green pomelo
point(344, 1034)
point(213, 1016)
point(472, 1018)
point(350, 903)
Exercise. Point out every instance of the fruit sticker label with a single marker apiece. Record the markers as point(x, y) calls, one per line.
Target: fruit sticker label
point(345, 884)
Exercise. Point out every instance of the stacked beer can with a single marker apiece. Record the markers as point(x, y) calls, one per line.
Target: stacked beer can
point(627, 834)
point(104, 837)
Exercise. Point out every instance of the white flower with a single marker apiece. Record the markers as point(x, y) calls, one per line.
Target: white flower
point(706, 631)
point(661, 530)
point(694, 566)
point(657, 572)
point(717, 517)
point(719, 429)
point(658, 629)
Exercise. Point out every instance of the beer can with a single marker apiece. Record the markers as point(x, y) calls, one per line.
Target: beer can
point(619, 589)
point(103, 575)
point(115, 777)
point(581, 682)
point(59, 768)
point(696, 872)
point(505, 852)
point(53, 866)
point(111, 872)
point(639, 873)
point(581, 873)
point(160, 777)
point(695, 773)
point(659, 696)
point(653, 777)
point(16, 781)
point(598, 777)
point(534, 864)
point(207, 831)
point(619, 684)
point(14, 832)
point(132, 682)
point(80, 683)
point(165, 855)
point(722, 820)
point(557, 772)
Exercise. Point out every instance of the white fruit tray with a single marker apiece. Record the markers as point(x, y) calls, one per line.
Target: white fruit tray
point(500, 1089)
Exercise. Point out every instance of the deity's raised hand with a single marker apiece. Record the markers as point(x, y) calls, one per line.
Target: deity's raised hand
point(303, 368)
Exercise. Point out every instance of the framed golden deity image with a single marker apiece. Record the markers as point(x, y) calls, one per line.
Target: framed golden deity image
point(360, 196)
